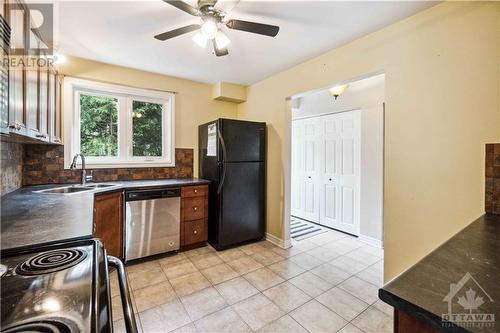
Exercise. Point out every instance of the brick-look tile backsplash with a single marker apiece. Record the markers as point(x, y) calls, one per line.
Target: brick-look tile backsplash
point(11, 165)
point(44, 164)
point(492, 195)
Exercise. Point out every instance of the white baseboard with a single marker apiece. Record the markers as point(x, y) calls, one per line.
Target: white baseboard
point(371, 241)
point(278, 241)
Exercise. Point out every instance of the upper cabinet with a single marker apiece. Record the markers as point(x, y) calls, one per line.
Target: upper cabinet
point(54, 107)
point(4, 73)
point(34, 86)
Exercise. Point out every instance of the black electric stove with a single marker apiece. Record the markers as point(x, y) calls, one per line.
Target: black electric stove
point(62, 287)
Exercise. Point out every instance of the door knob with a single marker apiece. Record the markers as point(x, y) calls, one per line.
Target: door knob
point(309, 177)
point(195, 191)
point(195, 232)
point(330, 179)
point(195, 208)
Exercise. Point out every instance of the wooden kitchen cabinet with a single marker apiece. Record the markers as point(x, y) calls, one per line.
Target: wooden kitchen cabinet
point(34, 93)
point(43, 103)
point(194, 216)
point(108, 222)
point(17, 20)
point(195, 231)
point(54, 107)
point(406, 323)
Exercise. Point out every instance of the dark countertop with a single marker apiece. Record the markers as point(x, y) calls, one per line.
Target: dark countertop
point(29, 218)
point(420, 291)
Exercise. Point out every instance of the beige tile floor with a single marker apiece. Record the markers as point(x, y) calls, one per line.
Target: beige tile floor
point(327, 283)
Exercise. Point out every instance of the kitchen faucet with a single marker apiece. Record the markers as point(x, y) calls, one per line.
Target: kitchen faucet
point(85, 178)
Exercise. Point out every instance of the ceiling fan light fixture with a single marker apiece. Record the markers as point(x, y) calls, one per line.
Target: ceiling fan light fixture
point(199, 39)
point(209, 28)
point(221, 40)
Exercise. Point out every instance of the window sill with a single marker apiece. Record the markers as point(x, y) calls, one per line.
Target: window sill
point(124, 165)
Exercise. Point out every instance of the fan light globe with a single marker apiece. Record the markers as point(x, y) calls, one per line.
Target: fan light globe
point(200, 40)
point(221, 40)
point(209, 29)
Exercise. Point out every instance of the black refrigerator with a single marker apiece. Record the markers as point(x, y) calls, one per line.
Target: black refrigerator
point(232, 155)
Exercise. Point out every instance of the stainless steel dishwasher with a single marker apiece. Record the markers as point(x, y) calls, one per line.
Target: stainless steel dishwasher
point(152, 222)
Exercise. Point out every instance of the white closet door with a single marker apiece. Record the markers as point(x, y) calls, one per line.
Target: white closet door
point(341, 171)
point(310, 180)
point(329, 191)
point(297, 206)
point(305, 169)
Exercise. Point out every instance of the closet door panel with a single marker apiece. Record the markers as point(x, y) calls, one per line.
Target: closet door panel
point(306, 152)
point(339, 179)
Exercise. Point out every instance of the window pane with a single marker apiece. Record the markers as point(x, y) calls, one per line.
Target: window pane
point(98, 126)
point(147, 129)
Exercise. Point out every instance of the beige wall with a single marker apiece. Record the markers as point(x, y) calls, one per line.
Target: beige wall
point(442, 105)
point(193, 102)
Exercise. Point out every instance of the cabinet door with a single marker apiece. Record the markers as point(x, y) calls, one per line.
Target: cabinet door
point(108, 224)
point(43, 103)
point(56, 135)
point(4, 75)
point(17, 114)
point(31, 102)
point(194, 232)
point(51, 102)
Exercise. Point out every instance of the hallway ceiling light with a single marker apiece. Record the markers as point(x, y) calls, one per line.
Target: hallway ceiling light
point(338, 90)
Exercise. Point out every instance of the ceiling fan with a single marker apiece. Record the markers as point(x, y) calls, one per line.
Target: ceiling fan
point(209, 30)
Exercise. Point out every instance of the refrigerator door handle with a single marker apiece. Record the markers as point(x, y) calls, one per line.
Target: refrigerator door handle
point(223, 177)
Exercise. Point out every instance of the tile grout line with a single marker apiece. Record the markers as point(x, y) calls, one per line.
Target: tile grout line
point(285, 279)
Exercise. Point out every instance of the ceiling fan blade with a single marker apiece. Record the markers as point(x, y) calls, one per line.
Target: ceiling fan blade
point(177, 32)
point(185, 7)
point(256, 28)
point(219, 52)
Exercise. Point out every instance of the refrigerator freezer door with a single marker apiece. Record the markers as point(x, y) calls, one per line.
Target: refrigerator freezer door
point(208, 165)
point(242, 141)
point(243, 201)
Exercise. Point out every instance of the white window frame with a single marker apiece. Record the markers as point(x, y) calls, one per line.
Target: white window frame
point(74, 87)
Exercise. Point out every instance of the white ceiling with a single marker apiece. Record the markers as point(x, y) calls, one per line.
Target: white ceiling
point(121, 33)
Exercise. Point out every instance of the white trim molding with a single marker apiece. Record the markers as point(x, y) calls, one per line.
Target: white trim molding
point(284, 244)
point(371, 241)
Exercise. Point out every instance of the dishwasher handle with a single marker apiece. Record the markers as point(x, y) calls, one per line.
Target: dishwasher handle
point(152, 194)
point(128, 312)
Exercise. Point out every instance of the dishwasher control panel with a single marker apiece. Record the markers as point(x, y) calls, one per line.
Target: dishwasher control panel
point(152, 194)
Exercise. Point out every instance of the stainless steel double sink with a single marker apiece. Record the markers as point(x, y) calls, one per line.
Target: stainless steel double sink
point(73, 189)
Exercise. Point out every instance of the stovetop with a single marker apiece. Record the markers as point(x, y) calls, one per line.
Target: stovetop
point(57, 288)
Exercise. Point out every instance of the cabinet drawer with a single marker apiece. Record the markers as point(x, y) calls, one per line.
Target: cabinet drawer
point(193, 208)
point(195, 231)
point(194, 191)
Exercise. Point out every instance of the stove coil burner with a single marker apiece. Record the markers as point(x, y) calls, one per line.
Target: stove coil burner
point(40, 327)
point(51, 261)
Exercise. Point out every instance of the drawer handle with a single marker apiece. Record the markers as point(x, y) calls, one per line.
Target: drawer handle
point(195, 232)
point(195, 209)
point(195, 191)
